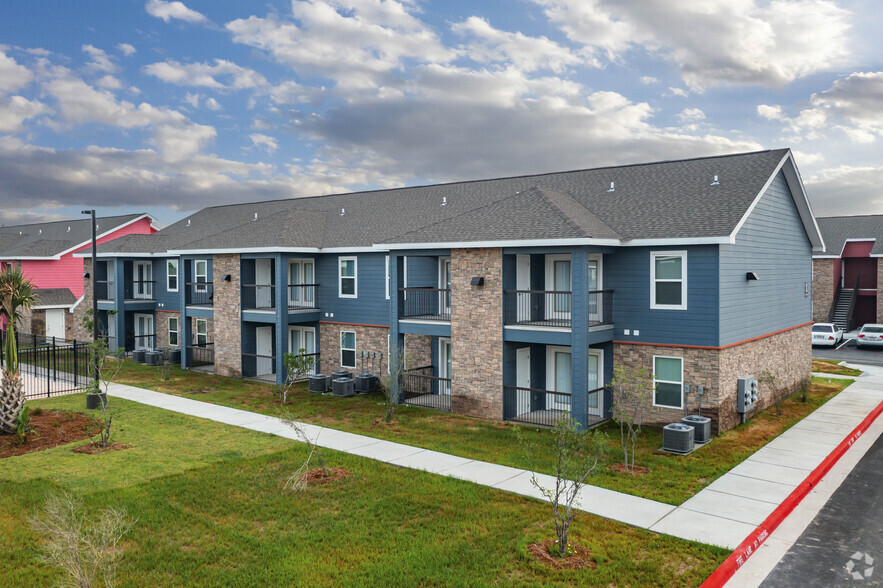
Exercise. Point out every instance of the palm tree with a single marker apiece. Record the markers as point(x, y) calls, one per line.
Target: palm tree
point(16, 294)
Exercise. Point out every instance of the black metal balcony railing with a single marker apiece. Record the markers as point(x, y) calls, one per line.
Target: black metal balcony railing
point(104, 289)
point(256, 366)
point(200, 354)
point(544, 407)
point(303, 296)
point(146, 342)
point(431, 304)
point(139, 289)
point(554, 309)
point(314, 368)
point(258, 296)
point(421, 388)
point(199, 294)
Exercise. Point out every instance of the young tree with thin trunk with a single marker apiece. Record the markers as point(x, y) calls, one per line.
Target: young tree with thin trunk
point(632, 388)
point(16, 294)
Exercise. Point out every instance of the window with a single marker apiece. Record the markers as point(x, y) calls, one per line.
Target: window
point(172, 275)
point(668, 280)
point(668, 381)
point(173, 331)
point(201, 332)
point(347, 277)
point(347, 349)
point(201, 274)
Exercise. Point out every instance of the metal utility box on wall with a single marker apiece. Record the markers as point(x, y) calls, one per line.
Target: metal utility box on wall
point(746, 395)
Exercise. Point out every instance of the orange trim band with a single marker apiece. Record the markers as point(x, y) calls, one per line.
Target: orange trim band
point(171, 311)
point(714, 348)
point(353, 324)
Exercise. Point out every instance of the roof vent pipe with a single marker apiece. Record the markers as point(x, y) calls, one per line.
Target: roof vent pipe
point(611, 187)
point(41, 232)
point(188, 222)
point(342, 211)
point(715, 182)
point(444, 201)
point(255, 216)
point(68, 229)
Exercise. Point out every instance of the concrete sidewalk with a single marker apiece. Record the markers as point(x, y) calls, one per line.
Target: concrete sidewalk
point(722, 514)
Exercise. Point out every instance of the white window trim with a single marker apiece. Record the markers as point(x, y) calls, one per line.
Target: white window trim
point(177, 275)
point(302, 330)
point(354, 277)
point(355, 347)
point(176, 331)
point(683, 255)
point(299, 262)
point(197, 275)
point(655, 381)
point(204, 322)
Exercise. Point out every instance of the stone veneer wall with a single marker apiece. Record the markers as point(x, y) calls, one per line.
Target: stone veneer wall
point(228, 312)
point(78, 331)
point(477, 333)
point(418, 350)
point(368, 339)
point(161, 326)
point(823, 289)
point(787, 355)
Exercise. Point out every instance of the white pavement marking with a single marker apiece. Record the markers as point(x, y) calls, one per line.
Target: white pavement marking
point(722, 514)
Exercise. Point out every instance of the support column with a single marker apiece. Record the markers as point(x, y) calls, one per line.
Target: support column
point(119, 296)
point(396, 339)
point(185, 333)
point(281, 293)
point(579, 350)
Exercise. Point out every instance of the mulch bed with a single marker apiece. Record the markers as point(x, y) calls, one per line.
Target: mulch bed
point(331, 475)
point(90, 449)
point(580, 559)
point(51, 429)
point(634, 471)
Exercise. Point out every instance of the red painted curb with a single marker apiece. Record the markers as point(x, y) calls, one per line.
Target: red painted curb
point(746, 549)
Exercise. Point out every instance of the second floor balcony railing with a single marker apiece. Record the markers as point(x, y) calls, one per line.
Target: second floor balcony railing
point(258, 296)
point(546, 308)
point(140, 290)
point(431, 304)
point(303, 296)
point(200, 294)
point(104, 290)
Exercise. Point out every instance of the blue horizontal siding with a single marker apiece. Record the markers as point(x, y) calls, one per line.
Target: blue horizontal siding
point(371, 307)
point(773, 244)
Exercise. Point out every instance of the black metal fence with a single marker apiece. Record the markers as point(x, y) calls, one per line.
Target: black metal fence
point(314, 366)
point(199, 294)
point(104, 290)
point(48, 365)
point(139, 289)
point(147, 342)
point(554, 309)
point(421, 388)
point(544, 407)
point(258, 296)
point(431, 304)
point(303, 296)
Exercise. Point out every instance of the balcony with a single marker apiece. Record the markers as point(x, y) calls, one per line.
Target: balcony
point(421, 388)
point(199, 294)
point(544, 308)
point(427, 304)
point(104, 290)
point(139, 290)
point(258, 297)
point(303, 297)
point(544, 407)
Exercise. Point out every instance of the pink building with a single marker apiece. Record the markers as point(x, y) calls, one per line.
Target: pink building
point(45, 252)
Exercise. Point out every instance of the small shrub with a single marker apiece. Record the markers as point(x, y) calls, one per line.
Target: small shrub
point(86, 549)
point(297, 366)
point(297, 482)
point(23, 425)
point(631, 396)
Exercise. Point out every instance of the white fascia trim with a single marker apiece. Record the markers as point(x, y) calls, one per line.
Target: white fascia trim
point(43, 258)
point(53, 306)
point(121, 254)
point(561, 242)
point(854, 241)
point(243, 250)
point(827, 256)
point(110, 232)
point(675, 241)
point(77, 303)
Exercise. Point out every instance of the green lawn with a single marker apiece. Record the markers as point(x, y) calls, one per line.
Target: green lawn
point(210, 512)
point(832, 366)
point(672, 479)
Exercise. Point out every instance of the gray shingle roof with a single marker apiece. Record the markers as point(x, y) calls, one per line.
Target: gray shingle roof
point(50, 239)
point(837, 229)
point(673, 199)
point(54, 297)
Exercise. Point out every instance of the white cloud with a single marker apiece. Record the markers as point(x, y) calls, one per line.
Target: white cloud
point(99, 60)
point(192, 99)
point(170, 10)
point(212, 104)
point(677, 92)
point(649, 80)
point(126, 49)
point(177, 142)
point(222, 75)
point(691, 115)
point(17, 109)
point(770, 112)
point(858, 99)
point(715, 41)
point(264, 142)
point(23, 217)
point(513, 49)
point(846, 190)
point(12, 75)
point(109, 82)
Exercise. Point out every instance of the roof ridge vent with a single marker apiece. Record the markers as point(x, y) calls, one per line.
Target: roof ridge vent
point(715, 182)
point(612, 187)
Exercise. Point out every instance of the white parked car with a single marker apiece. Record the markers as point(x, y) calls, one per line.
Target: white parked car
point(826, 334)
point(871, 335)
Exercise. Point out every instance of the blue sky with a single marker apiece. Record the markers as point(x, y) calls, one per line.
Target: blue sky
point(167, 107)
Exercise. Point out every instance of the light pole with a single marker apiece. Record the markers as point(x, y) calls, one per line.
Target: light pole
point(92, 276)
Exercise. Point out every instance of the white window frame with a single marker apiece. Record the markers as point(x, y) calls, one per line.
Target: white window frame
point(303, 331)
point(169, 276)
point(176, 331)
point(683, 280)
point(354, 348)
point(297, 277)
point(198, 334)
point(354, 277)
point(681, 383)
point(197, 275)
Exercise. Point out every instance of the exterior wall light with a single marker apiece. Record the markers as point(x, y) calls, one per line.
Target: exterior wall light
point(477, 281)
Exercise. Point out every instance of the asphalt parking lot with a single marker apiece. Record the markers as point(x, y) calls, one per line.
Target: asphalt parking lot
point(848, 352)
